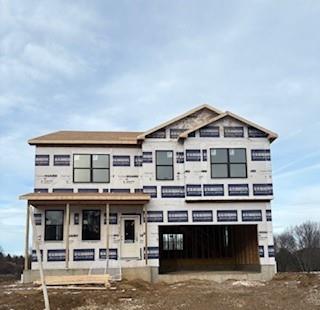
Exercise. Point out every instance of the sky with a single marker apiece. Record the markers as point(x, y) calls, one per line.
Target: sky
point(130, 65)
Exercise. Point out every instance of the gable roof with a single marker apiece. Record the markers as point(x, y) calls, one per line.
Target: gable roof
point(165, 124)
point(271, 135)
point(135, 138)
point(87, 137)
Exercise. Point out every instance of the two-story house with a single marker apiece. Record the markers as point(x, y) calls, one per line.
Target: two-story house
point(192, 194)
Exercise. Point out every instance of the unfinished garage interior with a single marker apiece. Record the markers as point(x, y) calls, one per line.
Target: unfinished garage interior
point(208, 247)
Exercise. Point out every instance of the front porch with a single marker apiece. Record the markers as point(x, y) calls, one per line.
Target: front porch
point(98, 231)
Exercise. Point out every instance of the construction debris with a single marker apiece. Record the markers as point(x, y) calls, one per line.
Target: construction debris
point(248, 283)
point(72, 287)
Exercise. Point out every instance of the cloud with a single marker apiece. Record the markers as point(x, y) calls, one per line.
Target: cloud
point(293, 172)
point(52, 59)
point(129, 66)
point(12, 221)
point(8, 102)
point(296, 161)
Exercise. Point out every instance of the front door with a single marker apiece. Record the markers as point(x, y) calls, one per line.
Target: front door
point(130, 236)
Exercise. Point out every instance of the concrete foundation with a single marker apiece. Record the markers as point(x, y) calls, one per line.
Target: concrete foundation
point(266, 274)
point(150, 274)
point(141, 273)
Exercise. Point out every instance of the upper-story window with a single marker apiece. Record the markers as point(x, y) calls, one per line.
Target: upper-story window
point(228, 163)
point(53, 225)
point(164, 165)
point(91, 168)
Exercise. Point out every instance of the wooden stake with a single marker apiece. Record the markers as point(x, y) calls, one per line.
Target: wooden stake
point(145, 234)
point(36, 242)
point(67, 233)
point(107, 237)
point(26, 249)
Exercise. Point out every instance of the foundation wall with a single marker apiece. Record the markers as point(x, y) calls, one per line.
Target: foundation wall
point(150, 274)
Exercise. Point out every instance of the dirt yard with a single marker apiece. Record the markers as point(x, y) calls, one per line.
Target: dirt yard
point(285, 291)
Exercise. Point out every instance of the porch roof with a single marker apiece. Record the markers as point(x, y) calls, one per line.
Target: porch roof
point(114, 198)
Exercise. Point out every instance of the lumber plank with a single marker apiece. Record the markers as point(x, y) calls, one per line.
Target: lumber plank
point(77, 279)
point(78, 288)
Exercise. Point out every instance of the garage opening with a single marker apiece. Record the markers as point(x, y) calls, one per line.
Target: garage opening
point(208, 247)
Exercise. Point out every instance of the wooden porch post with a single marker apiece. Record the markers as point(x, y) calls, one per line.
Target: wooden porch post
point(67, 233)
point(145, 233)
point(26, 249)
point(107, 236)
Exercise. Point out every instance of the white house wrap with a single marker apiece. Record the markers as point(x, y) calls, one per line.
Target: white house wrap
point(190, 194)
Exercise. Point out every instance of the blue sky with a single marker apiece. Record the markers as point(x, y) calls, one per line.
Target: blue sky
point(129, 65)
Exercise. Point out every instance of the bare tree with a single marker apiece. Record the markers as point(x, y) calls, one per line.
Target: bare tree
point(298, 249)
point(286, 241)
point(286, 247)
point(307, 236)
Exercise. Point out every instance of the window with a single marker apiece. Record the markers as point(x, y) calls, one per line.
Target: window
point(91, 225)
point(129, 229)
point(228, 163)
point(164, 165)
point(91, 168)
point(76, 219)
point(53, 225)
point(172, 242)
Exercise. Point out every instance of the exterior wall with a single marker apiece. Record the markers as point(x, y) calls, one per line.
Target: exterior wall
point(61, 177)
point(265, 237)
point(76, 241)
point(189, 172)
point(198, 172)
point(186, 173)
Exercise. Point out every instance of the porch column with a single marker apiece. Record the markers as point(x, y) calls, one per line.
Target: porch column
point(107, 235)
point(26, 249)
point(67, 233)
point(145, 233)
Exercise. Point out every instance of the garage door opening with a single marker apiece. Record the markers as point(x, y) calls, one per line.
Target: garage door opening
point(208, 247)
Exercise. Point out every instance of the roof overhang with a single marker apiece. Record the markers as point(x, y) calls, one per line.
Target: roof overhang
point(81, 142)
point(88, 138)
point(91, 198)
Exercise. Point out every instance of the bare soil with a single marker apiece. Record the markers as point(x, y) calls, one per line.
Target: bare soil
point(286, 291)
